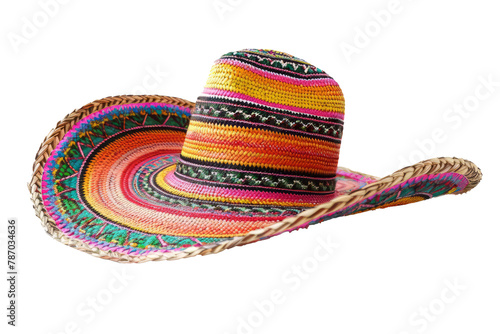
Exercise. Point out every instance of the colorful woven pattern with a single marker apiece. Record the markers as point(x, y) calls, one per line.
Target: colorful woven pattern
point(106, 183)
point(265, 131)
point(261, 145)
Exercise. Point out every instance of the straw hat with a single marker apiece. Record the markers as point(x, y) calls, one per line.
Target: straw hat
point(141, 178)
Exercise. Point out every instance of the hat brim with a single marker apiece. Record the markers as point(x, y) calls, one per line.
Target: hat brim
point(94, 188)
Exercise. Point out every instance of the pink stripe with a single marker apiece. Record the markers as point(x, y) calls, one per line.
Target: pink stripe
point(237, 194)
point(341, 172)
point(162, 242)
point(281, 77)
point(146, 104)
point(244, 97)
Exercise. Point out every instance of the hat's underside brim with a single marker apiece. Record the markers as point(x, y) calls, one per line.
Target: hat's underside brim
point(102, 183)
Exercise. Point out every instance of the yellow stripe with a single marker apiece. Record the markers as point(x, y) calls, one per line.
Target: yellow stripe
point(239, 80)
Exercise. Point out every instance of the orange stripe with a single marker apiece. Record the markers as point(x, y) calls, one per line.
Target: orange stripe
point(259, 148)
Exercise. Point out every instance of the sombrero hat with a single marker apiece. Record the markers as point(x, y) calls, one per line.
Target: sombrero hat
point(141, 178)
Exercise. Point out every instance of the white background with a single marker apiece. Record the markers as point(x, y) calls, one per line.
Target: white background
point(391, 266)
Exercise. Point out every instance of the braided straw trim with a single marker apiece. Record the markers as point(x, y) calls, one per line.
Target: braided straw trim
point(431, 166)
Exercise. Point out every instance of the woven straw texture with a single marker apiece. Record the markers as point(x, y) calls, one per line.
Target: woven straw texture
point(338, 206)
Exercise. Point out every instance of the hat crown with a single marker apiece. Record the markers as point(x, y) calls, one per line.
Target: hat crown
point(266, 121)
